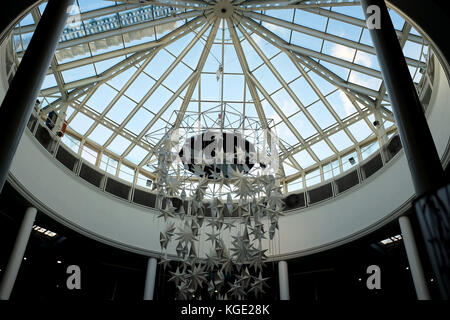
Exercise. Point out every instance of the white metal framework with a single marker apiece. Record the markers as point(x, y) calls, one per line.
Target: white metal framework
point(308, 65)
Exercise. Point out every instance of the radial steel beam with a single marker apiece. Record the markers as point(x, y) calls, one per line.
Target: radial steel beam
point(84, 16)
point(185, 84)
point(117, 97)
point(322, 98)
point(192, 82)
point(200, 66)
point(163, 77)
point(281, 5)
point(327, 36)
point(84, 86)
point(252, 88)
point(184, 4)
point(93, 82)
point(285, 85)
point(357, 22)
point(166, 39)
point(131, 28)
point(274, 39)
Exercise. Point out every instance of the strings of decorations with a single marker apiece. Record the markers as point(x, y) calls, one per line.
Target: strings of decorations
point(218, 170)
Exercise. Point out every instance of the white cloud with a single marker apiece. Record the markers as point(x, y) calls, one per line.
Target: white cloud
point(343, 52)
point(364, 59)
point(348, 105)
point(364, 80)
point(346, 53)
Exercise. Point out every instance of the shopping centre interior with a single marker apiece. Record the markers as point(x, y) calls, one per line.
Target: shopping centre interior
point(224, 149)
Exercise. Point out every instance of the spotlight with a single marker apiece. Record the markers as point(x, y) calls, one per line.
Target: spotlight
point(352, 161)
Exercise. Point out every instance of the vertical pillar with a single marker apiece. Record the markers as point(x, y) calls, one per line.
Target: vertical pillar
point(420, 150)
point(19, 101)
point(423, 160)
point(15, 260)
point(283, 276)
point(415, 265)
point(150, 279)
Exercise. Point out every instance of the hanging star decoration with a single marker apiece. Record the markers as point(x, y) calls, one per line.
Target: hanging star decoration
point(213, 237)
point(185, 235)
point(197, 276)
point(211, 261)
point(238, 202)
point(258, 284)
point(237, 290)
point(242, 183)
point(169, 211)
point(177, 277)
point(165, 262)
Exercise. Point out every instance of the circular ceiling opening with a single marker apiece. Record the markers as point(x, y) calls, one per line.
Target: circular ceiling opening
point(309, 74)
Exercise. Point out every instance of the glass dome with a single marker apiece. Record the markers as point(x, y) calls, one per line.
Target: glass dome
point(306, 70)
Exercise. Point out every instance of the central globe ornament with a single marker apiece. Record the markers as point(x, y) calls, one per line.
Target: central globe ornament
point(218, 153)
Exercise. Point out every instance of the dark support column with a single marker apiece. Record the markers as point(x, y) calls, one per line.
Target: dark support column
point(24, 89)
point(423, 159)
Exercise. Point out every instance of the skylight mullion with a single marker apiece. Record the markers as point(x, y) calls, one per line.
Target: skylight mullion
point(311, 32)
point(182, 4)
point(330, 107)
point(291, 4)
point(191, 82)
point(277, 109)
point(277, 41)
point(114, 128)
point(97, 81)
point(329, 131)
point(171, 37)
point(130, 28)
point(120, 94)
point(200, 66)
point(246, 70)
point(161, 79)
point(251, 85)
point(284, 84)
point(78, 105)
point(355, 21)
point(182, 62)
point(188, 81)
point(339, 155)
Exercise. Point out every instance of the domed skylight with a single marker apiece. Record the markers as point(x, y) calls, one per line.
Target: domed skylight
point(309, 66)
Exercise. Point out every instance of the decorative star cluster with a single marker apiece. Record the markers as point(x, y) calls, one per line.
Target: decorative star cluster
point(228, 272)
